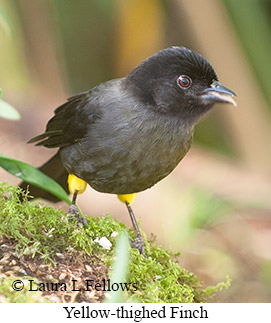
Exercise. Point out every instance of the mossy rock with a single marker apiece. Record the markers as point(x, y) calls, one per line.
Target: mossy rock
point(40, 244)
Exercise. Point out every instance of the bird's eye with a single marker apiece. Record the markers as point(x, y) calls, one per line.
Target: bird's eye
point(184, 81)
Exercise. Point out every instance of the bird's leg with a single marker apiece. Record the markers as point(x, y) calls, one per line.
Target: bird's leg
point(76, 186)
point(73, 208)
point(139, 242)
point(74, 197)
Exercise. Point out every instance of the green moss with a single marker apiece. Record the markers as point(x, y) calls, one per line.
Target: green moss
point(7, 294)
point(45, 231)
point(159, 279)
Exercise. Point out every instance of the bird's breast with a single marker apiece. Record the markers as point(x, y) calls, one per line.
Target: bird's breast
point(130, 154)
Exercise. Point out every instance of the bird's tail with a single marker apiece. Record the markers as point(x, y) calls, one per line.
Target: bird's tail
point(54, 169)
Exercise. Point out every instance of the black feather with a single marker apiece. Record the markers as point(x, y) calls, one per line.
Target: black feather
point(69, 123)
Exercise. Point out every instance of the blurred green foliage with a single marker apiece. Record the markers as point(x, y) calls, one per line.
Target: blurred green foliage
point(206, 209)
point(7, 111)
point(120, 267)
point(85, 33)
point(5, 22)
point(252, 22)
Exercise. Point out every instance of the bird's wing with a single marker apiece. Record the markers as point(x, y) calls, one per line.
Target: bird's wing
point(70, 122)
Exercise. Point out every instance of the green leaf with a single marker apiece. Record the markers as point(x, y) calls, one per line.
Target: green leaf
point(7, 111)
point(5, 22)
point(120, 267)
point(33, 176)
point(0, 93)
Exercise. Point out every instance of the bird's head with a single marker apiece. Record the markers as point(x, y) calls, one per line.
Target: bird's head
point(178, 81)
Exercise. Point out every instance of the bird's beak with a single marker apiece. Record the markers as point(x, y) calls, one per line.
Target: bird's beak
point(217, 93)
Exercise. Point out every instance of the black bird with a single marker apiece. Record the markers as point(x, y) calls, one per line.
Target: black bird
point(125, 135)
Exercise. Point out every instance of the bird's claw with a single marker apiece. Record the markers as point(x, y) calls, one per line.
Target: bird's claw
point(139, 245)
point(73, 210)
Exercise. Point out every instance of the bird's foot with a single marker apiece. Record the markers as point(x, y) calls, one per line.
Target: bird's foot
point(139, 244)
point(73, 210)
